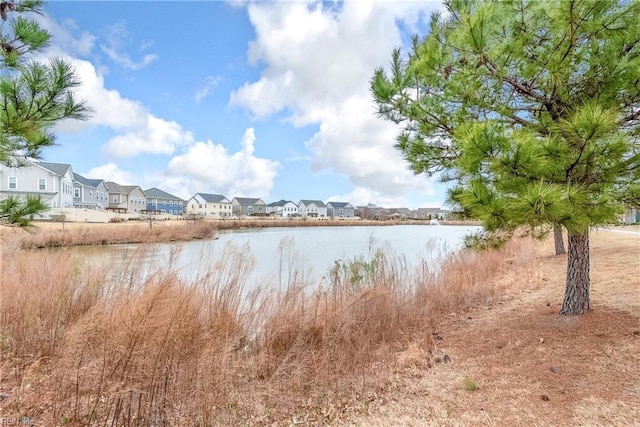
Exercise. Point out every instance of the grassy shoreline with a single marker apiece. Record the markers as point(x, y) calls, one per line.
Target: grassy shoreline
point(80, 348)
point(381, 346)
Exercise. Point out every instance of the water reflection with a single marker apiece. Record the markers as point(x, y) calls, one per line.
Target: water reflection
point(278, 256)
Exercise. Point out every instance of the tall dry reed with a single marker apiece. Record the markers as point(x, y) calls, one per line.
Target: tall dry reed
point(103, 234)
point(85, 347)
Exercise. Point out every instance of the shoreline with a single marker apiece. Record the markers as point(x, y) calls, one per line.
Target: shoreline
point(43, 234)
point(67, 234)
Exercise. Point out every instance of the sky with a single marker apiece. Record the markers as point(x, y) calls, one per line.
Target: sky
point(264, 99)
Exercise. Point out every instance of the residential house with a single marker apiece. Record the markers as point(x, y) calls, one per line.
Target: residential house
point(246, 206)
point(53, 182)
point(371, 212)
point(214, 206)
point(161, 202)
point(283, 209)
point(432, 213)
point(312, 209)
point(89, 193)
point(125, 198)
point(630, 216)
point(340, 210)
point(398, 214)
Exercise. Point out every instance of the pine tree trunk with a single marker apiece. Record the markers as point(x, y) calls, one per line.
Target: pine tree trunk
point(576, 295)
point(557, 238)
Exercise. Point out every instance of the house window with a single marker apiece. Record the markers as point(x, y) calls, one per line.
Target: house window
point(76, 193)
point(115, 199)
point(13, 182)
point(90, 193)
point(42, 184)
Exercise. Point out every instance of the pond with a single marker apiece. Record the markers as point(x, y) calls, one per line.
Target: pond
point(278, 253)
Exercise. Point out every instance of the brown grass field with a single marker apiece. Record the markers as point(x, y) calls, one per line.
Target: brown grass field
point(478, 342)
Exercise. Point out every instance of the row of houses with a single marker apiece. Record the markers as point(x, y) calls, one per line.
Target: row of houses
point(219, 206)
point(60, 187)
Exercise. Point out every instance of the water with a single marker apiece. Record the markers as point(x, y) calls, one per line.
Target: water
point(281, 252)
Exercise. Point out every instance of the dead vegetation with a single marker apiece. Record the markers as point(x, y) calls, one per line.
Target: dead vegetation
point(93, 346)
point(532, 366)
point(475, 342)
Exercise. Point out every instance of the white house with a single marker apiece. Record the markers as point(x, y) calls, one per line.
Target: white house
point(53, 182)
point(312, 209)
point(283, 209)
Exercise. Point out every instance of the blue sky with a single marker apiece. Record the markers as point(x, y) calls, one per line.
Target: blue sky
point(264, 99)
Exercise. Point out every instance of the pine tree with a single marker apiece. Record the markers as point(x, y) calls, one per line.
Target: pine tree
point(531, 110)
point(33, 96)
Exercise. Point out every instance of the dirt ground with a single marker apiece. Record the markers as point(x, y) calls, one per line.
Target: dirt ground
point(530, 366)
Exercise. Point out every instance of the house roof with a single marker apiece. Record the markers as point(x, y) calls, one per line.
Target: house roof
point(318, 203)
point(86, 181)
point(156, 193)
point(130, 188)
point(114, 187)
point(245, 201)
point(338, 204)
point(212, 198)
point(280, 203)
point(57, 168)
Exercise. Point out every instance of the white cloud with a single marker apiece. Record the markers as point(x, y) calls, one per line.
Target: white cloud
point(140, 131)
point(207, 88)
point(111, 172)
point(118, 39)
point(153, 136)
point(207, 167)
point(68, 37)
point(110, 108)
point(318, 64)
point(354, 143)
point(363, 196)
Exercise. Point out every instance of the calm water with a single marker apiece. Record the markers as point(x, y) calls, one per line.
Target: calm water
point(278, 253)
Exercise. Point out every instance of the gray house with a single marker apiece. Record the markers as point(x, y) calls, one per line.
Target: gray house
point(340, 210)
point(89, 193)
point(246, 206)
point(125, 198)
point(52, 182)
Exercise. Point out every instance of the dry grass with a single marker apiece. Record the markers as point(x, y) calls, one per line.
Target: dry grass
point(90, 347)
point(46, 235)
point(534, 367)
